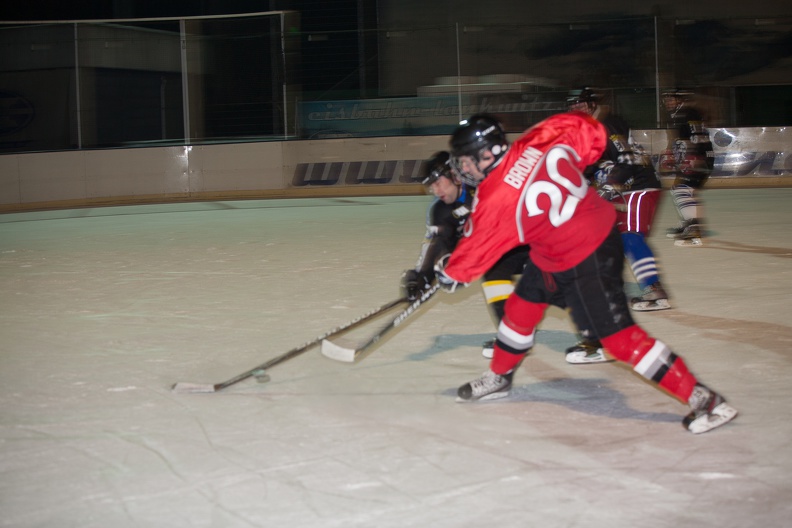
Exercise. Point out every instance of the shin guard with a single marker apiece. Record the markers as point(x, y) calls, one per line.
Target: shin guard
point(652, 360)
point(515, 333)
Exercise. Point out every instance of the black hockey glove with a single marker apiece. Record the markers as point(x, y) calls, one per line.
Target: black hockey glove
point(414, 284)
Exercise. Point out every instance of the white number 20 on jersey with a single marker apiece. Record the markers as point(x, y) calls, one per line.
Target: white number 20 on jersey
point(559, 158)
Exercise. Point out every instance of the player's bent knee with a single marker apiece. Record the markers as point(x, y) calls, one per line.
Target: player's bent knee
point(629, 345)
point(523, 316)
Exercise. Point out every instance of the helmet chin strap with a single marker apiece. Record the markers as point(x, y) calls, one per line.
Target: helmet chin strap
point(469, 180)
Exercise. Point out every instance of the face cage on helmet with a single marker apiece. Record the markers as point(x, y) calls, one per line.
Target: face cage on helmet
point(469, 180)
point(466, 177)
point(497, 150)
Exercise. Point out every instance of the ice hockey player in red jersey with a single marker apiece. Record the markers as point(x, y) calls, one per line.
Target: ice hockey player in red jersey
point(533, 192)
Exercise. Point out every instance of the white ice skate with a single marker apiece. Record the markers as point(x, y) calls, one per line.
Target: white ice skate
point(688, 234)
point(654, 297)
point(489, 386)
point(709, 410)
point(586, 352)
point(488, 349)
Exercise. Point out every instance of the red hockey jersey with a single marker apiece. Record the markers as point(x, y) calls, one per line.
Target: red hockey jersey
point(537, 195)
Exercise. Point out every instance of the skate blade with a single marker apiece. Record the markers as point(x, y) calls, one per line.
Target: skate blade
point(651, 306)
point(720, 415)
point(488, 397)
point(689, 242)
point(580, 358)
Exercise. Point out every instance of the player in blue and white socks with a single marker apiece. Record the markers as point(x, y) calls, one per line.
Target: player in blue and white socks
point(644, 267)
point(693, 160)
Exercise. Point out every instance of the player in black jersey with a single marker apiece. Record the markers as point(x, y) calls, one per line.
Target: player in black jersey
point(445, 220)
point(625, 177)
point(693, 161)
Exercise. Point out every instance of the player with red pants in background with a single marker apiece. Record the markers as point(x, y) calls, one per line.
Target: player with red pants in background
point(534, 192)
point(624, 176)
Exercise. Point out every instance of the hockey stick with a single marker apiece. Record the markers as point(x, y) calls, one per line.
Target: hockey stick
point(259, 371)
point(349, 355)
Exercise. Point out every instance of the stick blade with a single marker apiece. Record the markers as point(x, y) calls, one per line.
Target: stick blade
point(338, 352)
point(183, 387)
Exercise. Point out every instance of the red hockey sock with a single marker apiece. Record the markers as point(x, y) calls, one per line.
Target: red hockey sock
point(504, 362)
point(628, 345)
point(515, 333)
point(651, 359)
point(522, 316)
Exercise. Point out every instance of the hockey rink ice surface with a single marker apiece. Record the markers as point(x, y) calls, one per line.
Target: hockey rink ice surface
point(104, 309)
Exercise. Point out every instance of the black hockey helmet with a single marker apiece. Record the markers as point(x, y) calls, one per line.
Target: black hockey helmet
point(438, 165)
point(583, 95)
point(479, 133)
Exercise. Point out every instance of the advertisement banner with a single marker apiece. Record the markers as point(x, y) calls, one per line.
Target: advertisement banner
point(421, 116)
point(761, 152)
